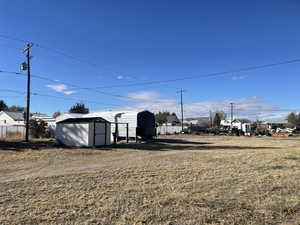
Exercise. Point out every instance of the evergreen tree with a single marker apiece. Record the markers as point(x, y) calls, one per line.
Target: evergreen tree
point(79, 108)
point(217, 120)
point(16, 108)
point(3, 105)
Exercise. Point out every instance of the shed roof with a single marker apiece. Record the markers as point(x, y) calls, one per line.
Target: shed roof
point(83, 120)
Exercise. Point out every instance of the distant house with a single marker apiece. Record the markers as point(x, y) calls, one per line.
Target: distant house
point(17, 119)
point(235, 123)
point(245, 127)
point(11, 118)
point(190, 121)
point(202, 121)
point(274, 124)
point(172, 120)
point(51, 122)
point(225, 123)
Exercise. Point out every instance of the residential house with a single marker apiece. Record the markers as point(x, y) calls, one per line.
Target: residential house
point(172, 120)
point(245, 127)
point(274, 124)
point(11, 118)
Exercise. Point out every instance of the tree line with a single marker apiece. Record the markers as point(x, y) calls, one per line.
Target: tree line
point(13, 108)
point(293, 119)
point(76, 108)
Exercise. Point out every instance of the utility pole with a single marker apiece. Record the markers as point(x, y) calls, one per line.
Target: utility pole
point(181, 104)
point(210, 119)
point(231, 106)
point(26, 66)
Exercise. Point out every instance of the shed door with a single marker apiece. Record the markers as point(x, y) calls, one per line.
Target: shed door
point(100, 134)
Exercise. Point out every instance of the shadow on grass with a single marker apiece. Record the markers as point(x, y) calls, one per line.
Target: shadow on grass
point(153, 145)
point(22, 145)
point(179, 144)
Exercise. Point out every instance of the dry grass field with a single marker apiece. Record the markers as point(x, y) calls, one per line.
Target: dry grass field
point(179, 180)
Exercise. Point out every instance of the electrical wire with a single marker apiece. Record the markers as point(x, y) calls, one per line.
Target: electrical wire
point(59, 97)
point(49, 49)
point(148, 82)
point(245, 69)
point(80, 88)
point(94, 89)
point(216, 74)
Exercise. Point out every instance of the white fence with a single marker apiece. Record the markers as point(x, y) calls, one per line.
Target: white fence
point(12, 131)
point(162, 130)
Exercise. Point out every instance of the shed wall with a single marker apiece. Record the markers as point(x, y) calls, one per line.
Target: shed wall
point(76, 134)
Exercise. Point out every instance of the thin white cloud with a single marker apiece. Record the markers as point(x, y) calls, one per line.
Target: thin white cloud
point(127, 77)
point(143, 95)
point(61, 88)
point(239, 77)
point(249, 107)
point(69, 92)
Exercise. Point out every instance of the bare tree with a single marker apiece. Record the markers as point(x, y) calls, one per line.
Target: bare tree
point(56, 114)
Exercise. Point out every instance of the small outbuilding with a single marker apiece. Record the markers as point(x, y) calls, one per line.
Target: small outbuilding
point(84, 132)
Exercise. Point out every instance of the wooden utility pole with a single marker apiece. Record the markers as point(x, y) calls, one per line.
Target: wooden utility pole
point(231, 106)
point(26, 66)
point(210, 119)
point(181, 106)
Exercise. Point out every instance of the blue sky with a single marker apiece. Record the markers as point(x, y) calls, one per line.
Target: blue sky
point(123, 42)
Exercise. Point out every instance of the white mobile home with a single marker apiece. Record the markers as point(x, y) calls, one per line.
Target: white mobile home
point(83, 132)
point(140, 124)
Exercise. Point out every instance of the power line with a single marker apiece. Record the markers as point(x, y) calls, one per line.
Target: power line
point(94, 89)
point(152, 82)
point(66, 83)
point(49, 49)
point(74, 99)
point(10, 96)
point(13, 91)
point(205, 75)
point(11, 72)
point(79, 88)
point(13, 38)
point(58, 97)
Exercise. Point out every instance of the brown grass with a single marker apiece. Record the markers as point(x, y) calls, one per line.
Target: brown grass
point(191, 180)
point(12, 136)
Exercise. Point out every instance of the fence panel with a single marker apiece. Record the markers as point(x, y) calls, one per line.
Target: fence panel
point(12, 131)
point(164, 129)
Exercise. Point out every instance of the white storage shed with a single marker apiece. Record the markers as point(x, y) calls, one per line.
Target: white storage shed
point(83, 132)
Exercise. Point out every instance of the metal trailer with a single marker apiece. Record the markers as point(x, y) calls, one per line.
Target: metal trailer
point(130, 123)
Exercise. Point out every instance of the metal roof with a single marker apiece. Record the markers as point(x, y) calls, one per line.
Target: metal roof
point(172, 119)
point(276, 121)
point(83, 120)
point(17, 116)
